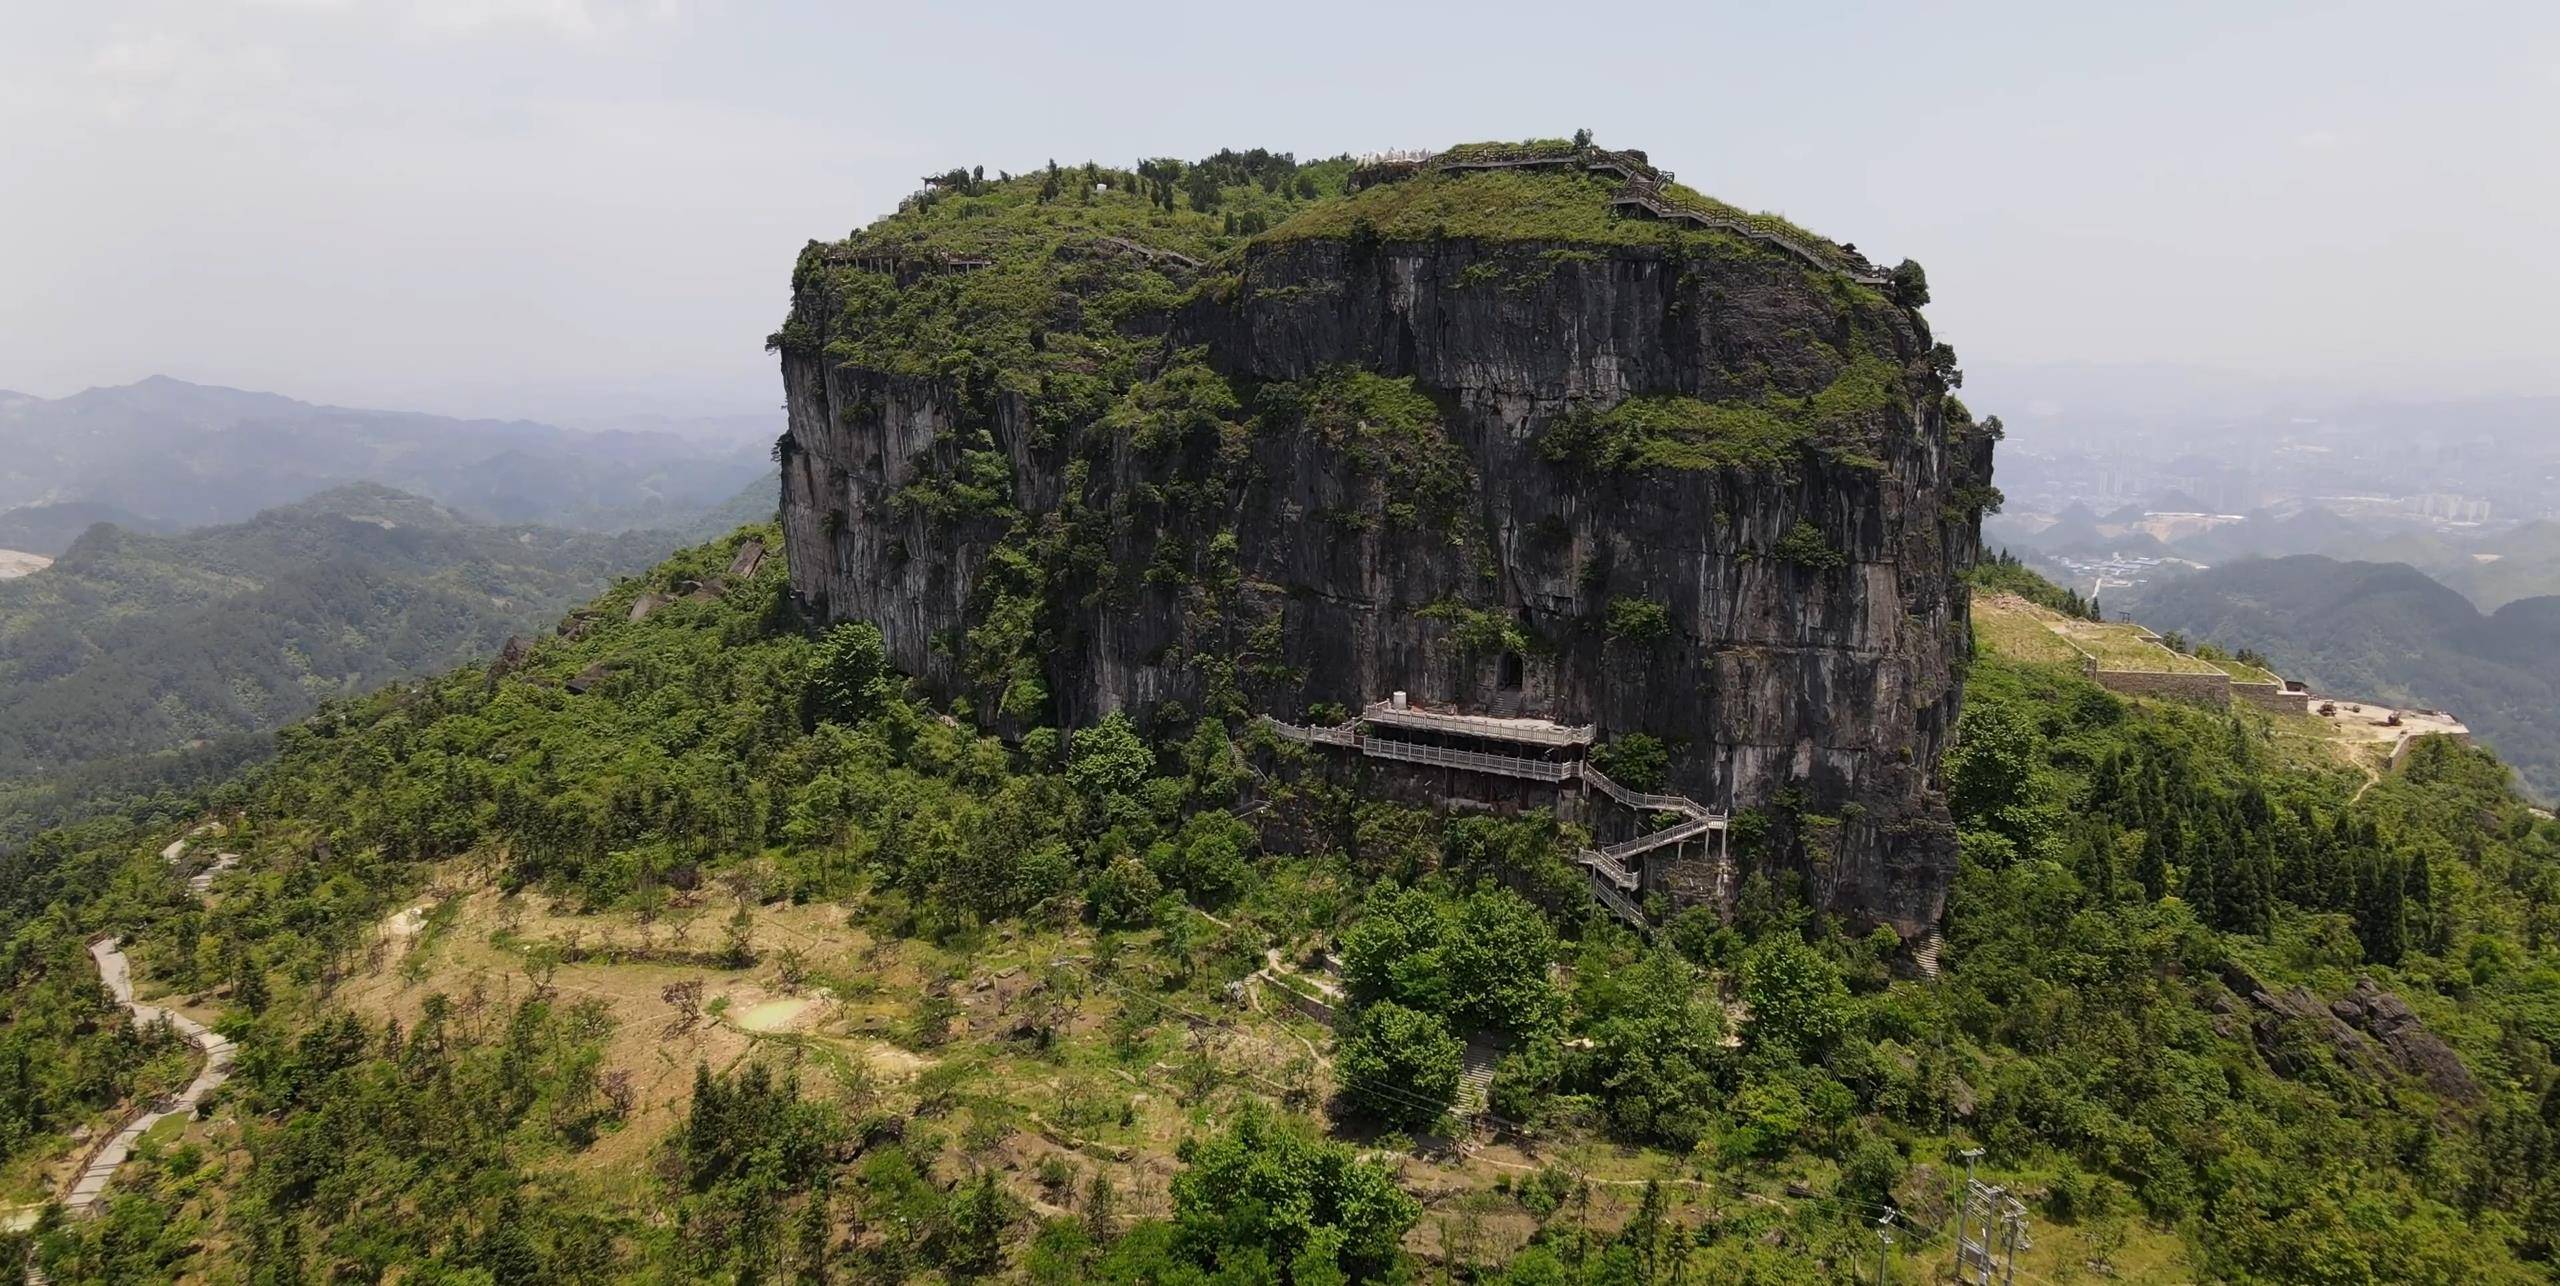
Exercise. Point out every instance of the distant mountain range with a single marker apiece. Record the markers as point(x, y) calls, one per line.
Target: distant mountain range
point(2491, 569)
point(139, 659)
point(2389, 631)
point(168, 454)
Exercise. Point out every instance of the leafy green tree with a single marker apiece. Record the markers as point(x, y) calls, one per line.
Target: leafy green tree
point(1393, 951)
point(1653, 1058)
point(1123, 895)
point(1635, 760)
point(970, 1240)
point(1991, 775)
point(1871, 1172)
point(1264, 1192)
point(2153, 870)
point(1798, 1003)
point(850, 674)
point(1400, 1065)
point(1639, 620)
point(1207, 859)
point(1109, 758)
point(1496, 957)
point(2382, 922)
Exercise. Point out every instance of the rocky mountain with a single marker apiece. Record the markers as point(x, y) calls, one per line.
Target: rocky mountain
point(181, 455)
point(2389, 631)
point(135, 652)
point(1523, 430)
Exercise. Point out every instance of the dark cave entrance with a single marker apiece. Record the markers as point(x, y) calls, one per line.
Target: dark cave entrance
point(1513, 670)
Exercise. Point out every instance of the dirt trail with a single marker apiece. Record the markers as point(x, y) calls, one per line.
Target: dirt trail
point(117, 972)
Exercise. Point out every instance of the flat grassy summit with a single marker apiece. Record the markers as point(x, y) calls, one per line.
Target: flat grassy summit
point(969, 269)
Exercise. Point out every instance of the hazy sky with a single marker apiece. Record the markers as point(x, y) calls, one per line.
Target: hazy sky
point(534, 206)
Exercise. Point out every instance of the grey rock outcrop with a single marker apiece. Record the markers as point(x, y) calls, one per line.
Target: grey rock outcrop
point(1835, 680)
point(2370, 1031)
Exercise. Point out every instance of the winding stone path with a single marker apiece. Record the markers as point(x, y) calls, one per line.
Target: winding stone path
point(117, 972)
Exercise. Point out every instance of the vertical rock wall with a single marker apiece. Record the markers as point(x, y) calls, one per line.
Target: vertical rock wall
point(1824, 693)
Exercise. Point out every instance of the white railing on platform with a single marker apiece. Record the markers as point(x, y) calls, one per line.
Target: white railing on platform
point(1638, 799)
point(1342, 735)
point(1611, 881)
point(1607, 866)
point(1472, 760)
point(1619, 903)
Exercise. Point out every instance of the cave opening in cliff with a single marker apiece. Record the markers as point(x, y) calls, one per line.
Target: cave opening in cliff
point(1512, 671)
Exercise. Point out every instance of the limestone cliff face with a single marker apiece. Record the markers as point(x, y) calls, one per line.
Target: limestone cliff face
point(1796, 628)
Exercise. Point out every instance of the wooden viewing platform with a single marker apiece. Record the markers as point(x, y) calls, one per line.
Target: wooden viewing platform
point(1612, 883)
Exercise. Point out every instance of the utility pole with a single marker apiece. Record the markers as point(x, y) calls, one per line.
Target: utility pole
point(2004, 1225)
point(2013, 1219)
point(1966, 1249)
point(1884, 1259)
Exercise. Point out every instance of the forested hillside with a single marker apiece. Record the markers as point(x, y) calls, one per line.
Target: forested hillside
point(139, 659)
point(2390, 632)
point(696, 948)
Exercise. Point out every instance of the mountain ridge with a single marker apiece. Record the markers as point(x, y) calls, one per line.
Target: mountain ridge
point(183, 454)
point(2393, 632)
point(133, 649)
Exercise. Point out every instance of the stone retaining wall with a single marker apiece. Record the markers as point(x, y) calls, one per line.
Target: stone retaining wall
point(2273, 698)
point(2214, 688)
point(2409, 742)
point(1307, 1006)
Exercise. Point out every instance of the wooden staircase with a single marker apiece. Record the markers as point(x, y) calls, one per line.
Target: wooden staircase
point(1924, 953)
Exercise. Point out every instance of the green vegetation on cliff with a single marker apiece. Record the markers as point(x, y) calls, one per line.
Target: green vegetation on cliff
point(1115, 378)
point(1769, 431)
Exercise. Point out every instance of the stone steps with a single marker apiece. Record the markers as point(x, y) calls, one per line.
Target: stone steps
point(1475, 1080)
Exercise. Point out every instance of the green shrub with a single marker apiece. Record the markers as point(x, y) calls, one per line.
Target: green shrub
point(1478, 631)
point(1637, 620)
point(1635, 760)
point(852, 667)
point(1805, 547)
